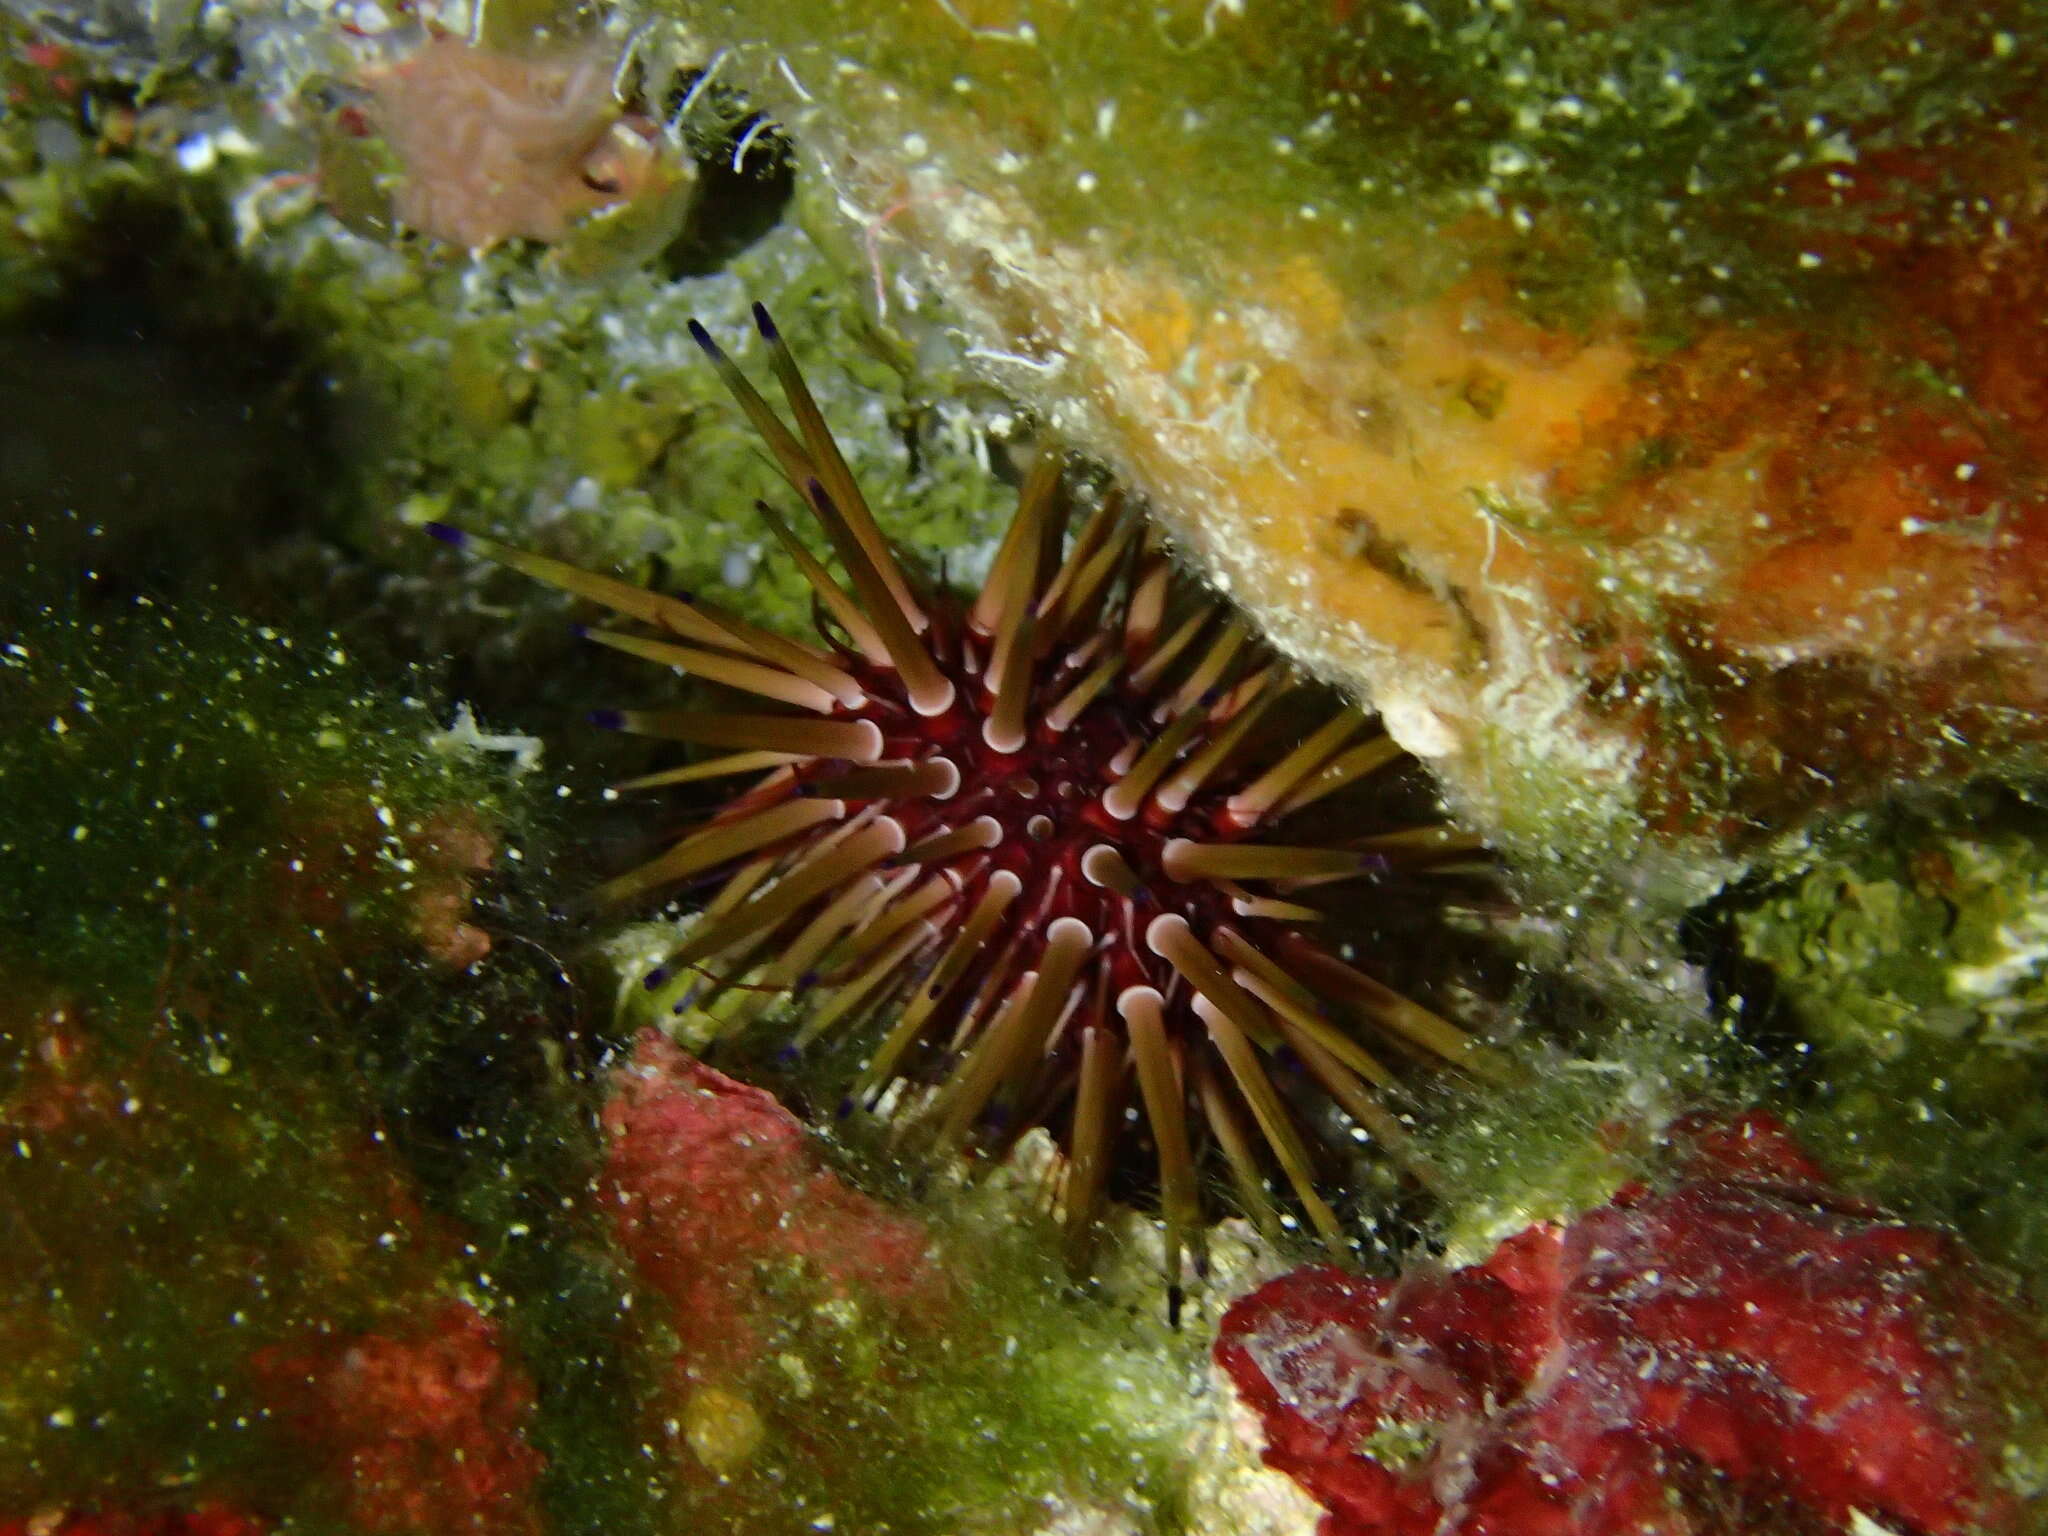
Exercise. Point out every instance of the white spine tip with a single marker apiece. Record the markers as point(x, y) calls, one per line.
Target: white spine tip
point(933, 700)
point(1141, 999)
point(1120, 804)
point(873, 752)
point(1008, 881)
point(1069, 930)
point(897, 839)
point(1173, 859)
point(952, 786)
point(1165, 931)
point(1001, 740)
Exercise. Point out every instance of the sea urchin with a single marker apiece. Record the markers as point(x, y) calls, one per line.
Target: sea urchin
point(1026, 837)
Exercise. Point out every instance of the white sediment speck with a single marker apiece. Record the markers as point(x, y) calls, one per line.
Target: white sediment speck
point(736, 569)
point(463, 735)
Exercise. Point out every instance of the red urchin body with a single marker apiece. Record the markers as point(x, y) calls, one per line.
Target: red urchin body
point(1025, 837)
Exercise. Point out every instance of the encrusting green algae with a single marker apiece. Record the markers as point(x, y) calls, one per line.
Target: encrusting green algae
point(1905, 960)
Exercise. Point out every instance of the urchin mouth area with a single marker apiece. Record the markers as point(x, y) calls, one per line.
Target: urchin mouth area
point(1046, 808)
point(1023, 843)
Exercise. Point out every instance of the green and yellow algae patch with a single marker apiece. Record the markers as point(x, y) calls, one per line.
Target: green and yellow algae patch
point(236, 873)
point(1906, 959)
point(182, 782)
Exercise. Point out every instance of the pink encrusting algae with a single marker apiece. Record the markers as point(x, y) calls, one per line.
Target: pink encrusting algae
point(708, 1180)
point(1748, 1345)
point(1029, 838)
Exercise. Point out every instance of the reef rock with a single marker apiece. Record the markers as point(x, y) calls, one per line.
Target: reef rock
point(1643, 415)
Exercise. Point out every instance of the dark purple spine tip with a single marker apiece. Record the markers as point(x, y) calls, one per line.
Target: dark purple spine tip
point(446, 534)
point(608, 719)
point(580, 631)
point(845, 1109)
point(703, 339)
point(654, 979)
point(764, 324)
point(789, 1055)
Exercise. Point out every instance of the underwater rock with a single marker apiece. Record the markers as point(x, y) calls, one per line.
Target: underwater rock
point(1746, 1343)
point(1910, 926)
point(232, 1062)
point(336, 849)
point(1634, 407)
point(819, 1360)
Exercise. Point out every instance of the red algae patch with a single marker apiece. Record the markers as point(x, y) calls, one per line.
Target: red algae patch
point(207, 1520)
point(423, 1431)
point(712, 1183)
point(218, 1288)
point(1746, 1345)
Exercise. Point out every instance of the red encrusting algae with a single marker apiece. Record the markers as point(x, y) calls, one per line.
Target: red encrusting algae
point(423, 1432)
point(206, 1520)
point(708, 1181)
point(1747, 1342)
point(291, 1284)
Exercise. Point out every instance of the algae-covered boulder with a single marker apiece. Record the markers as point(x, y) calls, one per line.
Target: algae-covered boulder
point(1634, 404)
